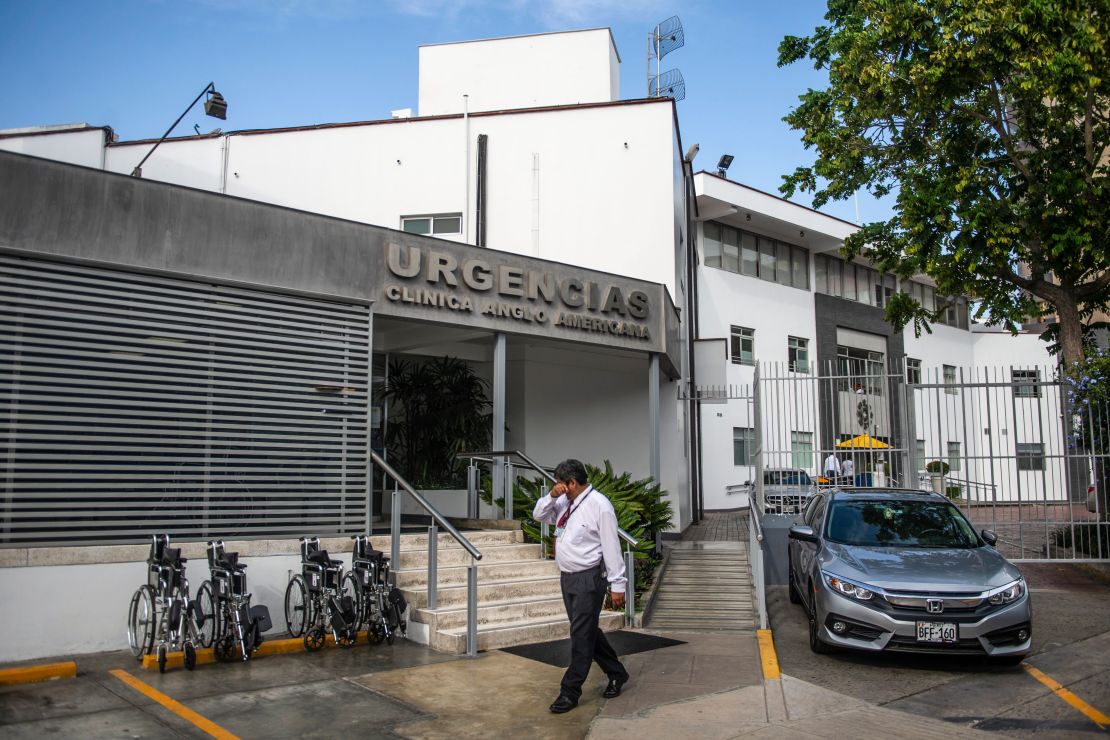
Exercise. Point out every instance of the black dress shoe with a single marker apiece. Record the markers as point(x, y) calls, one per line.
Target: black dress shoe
point(563, 704)
point(614, 687)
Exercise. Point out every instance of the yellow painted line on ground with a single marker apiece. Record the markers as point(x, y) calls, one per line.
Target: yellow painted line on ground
point(270, 647)
point(177, 708)
point(34, 673)
point(767, 655)
point(1100, 719)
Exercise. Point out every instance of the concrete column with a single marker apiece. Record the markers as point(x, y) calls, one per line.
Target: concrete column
point(500, 342)
point(653, 415)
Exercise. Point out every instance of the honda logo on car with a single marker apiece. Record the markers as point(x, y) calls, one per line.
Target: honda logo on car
point(935, 606)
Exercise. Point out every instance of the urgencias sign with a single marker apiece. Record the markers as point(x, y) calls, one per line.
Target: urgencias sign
point(481, 286)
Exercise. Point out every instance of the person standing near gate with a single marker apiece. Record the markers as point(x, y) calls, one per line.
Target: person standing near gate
point(832, 469)
point(849, 470)
point(588, 554)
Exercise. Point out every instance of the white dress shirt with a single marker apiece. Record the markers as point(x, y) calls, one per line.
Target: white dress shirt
point(832, 465)
point(589, 535)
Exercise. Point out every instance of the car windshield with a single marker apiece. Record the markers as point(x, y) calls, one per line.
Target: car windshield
point(786, 478)
point(899, 524)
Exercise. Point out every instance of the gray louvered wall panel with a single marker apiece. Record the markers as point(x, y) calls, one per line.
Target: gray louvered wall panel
point(132, 404)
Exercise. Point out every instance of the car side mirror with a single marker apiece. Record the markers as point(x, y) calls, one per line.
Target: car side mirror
point(803, 532)
point(989, 537)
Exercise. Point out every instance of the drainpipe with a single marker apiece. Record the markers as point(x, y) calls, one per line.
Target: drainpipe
point(480, 186)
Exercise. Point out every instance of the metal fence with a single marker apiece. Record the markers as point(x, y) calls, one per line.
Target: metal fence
point(1001, 443)
point(134, 404)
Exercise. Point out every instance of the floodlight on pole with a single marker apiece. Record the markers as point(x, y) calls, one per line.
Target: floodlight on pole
point(214, 106)
point(723, 164)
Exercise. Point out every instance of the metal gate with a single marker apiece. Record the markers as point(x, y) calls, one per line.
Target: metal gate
point(999, 442)
point(135, 404)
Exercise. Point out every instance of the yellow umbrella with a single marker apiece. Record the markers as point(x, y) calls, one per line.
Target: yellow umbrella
point(864, 442)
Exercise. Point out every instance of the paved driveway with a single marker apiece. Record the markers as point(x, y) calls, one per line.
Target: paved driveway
point(1071, 642)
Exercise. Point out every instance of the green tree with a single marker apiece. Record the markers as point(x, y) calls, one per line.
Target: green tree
point(988, 121)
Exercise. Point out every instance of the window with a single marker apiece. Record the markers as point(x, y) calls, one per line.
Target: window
point(801, 450)
point(953, 456)
point(712, 244)
point(919, 452)
point(950, 379)
point(859, 369)
point(1026, 383)
point(797, 350)
point(913, 371)
point(853, 282)
point(743, 345)
point(749, 255)
point(444, 223)
point(736, 250)
point(1030, 456)
point(953, 312)
point(743, 446)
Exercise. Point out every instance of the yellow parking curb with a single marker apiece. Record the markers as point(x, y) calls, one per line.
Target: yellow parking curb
point(35, 673)
point(767, 655)
point(270, 647)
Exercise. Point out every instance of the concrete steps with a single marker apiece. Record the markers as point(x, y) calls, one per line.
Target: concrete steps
point(705, 589)
point(519, 598)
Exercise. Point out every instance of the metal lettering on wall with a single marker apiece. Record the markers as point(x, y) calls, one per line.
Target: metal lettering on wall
point(531, 298)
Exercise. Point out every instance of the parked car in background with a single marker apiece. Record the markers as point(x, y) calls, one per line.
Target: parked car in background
point(786, 490)
point(885, 569)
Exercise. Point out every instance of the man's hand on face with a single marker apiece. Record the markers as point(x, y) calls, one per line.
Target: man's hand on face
point(618, 599)
point(558, 489)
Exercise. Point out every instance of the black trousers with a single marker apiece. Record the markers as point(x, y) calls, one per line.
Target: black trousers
point(583, 595)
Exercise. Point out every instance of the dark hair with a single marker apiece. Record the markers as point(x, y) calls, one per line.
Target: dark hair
point(571, 470)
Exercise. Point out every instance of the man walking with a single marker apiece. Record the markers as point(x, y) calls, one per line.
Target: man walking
point(588, 554)
point(832, 469)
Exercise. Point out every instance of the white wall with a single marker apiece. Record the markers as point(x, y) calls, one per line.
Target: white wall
point(776, 312)
point(83, 147)
point(563, 185)
point(519, 72)
point(78, 609)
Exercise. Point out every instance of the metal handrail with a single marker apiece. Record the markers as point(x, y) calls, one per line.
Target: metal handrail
point(488, 456)
point(629, 540)
point(438, 520)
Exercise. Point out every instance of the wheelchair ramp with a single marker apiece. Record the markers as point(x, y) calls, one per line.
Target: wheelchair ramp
point(706, 586)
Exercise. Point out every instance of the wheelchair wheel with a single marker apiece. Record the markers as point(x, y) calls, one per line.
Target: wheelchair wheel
point(298, 610)
point(190, 656)
point(207, 630)
point(352, 588)
point(314, 639)
point(224, 648)
point(140, 622)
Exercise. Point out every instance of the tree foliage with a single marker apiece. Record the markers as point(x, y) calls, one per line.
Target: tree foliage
point(988, 121)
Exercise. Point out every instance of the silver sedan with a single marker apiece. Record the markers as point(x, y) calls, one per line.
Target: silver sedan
point(880, 569)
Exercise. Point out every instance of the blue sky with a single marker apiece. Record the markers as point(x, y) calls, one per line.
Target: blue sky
point(135, 64)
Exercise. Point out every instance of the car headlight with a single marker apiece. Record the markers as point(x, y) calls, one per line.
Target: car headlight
point(847, 588)
point(1008, 593)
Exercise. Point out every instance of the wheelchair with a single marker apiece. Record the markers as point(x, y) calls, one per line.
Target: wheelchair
point(161, 609)
point(315, 603)
point(378, 607)
point(233, 623)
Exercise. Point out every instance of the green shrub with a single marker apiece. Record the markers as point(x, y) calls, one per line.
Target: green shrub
point(937, 466)
point(641, 507)
point(953, 492)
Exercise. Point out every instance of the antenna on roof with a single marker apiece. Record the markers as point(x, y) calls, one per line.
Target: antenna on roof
point(668, 85)
point(666, 37)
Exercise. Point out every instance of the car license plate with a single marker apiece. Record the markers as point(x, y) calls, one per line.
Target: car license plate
point(937, 632)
